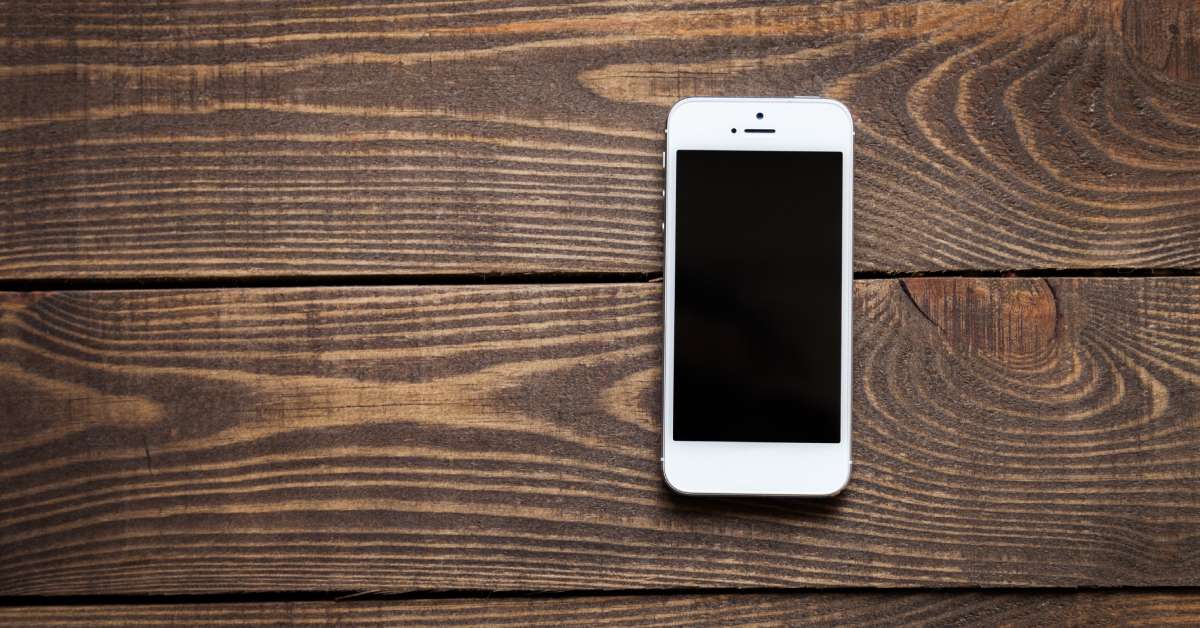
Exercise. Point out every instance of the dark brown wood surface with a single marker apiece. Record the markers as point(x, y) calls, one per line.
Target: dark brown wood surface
point(1008, 432)
point(821, 609)
point(262, 139)
point(376, 436)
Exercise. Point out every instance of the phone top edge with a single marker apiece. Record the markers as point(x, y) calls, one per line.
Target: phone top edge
point(766, 99)
point(691, 114)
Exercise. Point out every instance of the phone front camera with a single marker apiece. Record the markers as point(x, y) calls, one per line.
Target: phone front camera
point(758, 115)
point(733, 130)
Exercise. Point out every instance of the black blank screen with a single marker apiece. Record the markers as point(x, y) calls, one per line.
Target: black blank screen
point(757, 296)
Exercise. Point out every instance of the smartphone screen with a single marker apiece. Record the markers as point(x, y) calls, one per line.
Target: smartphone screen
point(757, 296)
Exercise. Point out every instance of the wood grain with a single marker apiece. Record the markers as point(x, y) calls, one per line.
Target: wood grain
point(1007, 432)
point(1125, 608)
point(253, 139)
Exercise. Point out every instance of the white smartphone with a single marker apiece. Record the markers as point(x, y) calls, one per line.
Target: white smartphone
point(756, 377)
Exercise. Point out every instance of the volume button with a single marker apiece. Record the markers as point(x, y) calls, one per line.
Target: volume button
point(664, 159)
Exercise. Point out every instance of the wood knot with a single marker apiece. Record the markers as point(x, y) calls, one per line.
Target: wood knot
point(1012, 319)
point(1164, 36)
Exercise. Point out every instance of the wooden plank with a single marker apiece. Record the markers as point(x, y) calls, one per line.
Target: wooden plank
point(1008, 432)
point(244, 138)
point(974, 608)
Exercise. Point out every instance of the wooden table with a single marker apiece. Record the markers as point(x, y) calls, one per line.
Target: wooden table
point(303, 301)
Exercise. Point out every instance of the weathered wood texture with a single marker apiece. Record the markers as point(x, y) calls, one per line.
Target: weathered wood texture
point(244, 138)
point(1125, 608)
point(1008, 432)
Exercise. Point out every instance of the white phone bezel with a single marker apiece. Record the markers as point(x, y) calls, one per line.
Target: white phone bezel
point(751, 468)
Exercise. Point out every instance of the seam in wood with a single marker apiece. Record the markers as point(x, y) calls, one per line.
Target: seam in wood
point(322, 281)
point(504, 279)
point(346, 596)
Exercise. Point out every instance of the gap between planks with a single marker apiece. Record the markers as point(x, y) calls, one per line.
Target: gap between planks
point(469, 279)
point(10, 601)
